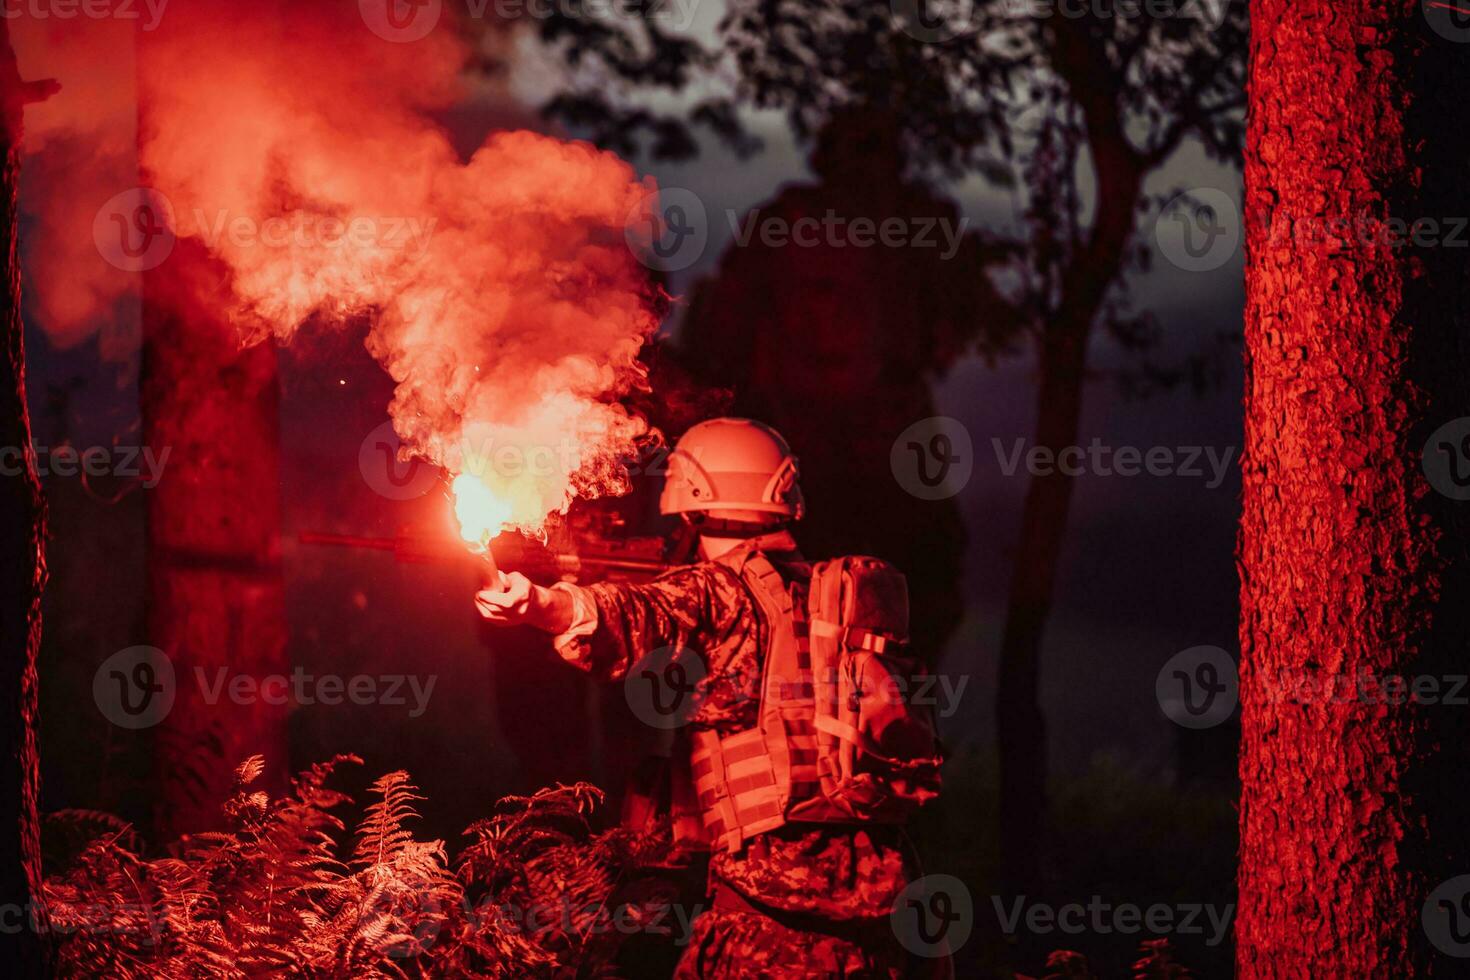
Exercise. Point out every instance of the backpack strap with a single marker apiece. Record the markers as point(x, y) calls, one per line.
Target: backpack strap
point(787, 690)
point(858, 639)
point(746, 781)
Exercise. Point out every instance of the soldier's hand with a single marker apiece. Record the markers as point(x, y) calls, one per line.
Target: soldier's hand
point(517, 600)
point(509, 602)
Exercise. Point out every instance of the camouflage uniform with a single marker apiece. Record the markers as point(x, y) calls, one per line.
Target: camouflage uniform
point(804, 900)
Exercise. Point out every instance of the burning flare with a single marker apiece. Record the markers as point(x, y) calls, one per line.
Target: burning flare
point(481, 514)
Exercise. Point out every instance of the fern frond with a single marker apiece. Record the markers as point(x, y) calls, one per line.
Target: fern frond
point(272, 895)
point(249, 771)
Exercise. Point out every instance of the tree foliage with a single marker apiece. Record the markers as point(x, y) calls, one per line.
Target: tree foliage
point(1027, 95)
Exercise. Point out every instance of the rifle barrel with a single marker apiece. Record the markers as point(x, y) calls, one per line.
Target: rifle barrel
point(346, 540)
point(566, 562)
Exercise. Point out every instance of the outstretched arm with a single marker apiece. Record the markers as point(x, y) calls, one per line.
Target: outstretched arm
point(606, 628)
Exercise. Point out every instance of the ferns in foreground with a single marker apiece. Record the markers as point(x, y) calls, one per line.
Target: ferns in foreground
point(530, 895)
point(535, 893)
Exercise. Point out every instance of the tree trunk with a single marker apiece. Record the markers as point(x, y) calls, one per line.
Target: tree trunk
point(22, 578)
point(1354, 568)
point(216, 599)
point(216, 596)
point(1020, 723)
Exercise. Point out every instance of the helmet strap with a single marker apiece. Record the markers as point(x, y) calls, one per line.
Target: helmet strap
point(684, 544)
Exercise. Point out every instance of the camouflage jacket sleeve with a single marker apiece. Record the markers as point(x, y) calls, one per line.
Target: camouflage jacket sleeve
point(701, 608)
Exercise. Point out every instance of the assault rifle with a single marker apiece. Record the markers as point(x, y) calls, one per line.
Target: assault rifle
point(568, 554)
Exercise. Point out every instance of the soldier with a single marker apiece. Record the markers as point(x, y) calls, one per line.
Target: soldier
point(797, 768)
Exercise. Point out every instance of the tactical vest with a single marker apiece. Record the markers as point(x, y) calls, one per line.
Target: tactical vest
point(839, 736)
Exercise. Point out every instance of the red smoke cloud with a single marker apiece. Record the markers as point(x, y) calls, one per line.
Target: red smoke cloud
point(294, 143)
point(79, 143)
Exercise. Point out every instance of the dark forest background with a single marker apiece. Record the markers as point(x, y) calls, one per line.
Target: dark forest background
point(843, 352)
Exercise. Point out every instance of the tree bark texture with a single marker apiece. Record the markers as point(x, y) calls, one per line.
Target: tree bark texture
point(1354, 569)
point(22, 579)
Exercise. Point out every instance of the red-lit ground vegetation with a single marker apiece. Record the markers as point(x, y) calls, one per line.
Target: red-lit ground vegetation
point(285, 889)
point(281, 892)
